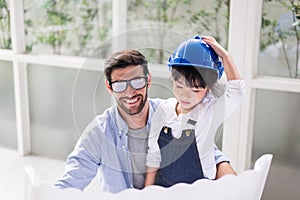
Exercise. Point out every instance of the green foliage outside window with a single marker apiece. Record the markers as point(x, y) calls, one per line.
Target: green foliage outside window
point(159, 13)
point(283, 30)
point(56, 24)
point(73, 27)
point(5, 38)
point(214, 21)
point(186, 16)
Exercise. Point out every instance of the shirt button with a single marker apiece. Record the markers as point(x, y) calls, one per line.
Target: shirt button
point(188, 133)
point(123, 146)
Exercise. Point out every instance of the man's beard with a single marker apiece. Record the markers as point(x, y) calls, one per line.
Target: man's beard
point(134, 110)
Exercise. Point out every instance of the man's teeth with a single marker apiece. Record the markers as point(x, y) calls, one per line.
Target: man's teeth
point(132, 100)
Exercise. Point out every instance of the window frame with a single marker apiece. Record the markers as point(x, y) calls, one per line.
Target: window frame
point(244, 31)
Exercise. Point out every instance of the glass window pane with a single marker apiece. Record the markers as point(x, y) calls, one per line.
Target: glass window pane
point(160, 88)
point(277, 131)
point(8, 129)
point(279, 41)
point(5, 38)
point(62, 103)
point(66, 27)
point(159, 26)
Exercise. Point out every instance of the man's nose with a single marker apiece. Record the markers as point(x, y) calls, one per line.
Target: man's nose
point(129, 90)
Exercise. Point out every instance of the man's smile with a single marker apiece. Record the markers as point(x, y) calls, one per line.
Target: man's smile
point(131, 101)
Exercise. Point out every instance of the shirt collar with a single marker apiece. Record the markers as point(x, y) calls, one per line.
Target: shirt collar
point(207, 98)
point(150, 114)
point(193, 115)
point(122, 125)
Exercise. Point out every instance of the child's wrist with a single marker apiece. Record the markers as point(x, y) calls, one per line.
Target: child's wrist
point(225, 55)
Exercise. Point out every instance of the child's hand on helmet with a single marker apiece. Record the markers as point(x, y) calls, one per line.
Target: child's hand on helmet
point(215, 45)
point(229, 66)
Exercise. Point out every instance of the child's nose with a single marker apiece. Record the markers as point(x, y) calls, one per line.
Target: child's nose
point(186, 92)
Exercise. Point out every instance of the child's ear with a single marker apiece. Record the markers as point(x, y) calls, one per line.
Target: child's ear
point(108, 87)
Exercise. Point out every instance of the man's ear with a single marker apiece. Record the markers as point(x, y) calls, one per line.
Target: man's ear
point(108, 87)
point(149, 80)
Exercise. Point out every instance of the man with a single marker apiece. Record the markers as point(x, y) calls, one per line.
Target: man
point(115, 143)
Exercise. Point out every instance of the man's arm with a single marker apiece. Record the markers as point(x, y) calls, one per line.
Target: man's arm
point(82, 164)
point(80, 169)
point(224, 168)
point(222, 163)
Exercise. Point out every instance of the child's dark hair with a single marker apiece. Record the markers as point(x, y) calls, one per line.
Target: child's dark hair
point(195, 77)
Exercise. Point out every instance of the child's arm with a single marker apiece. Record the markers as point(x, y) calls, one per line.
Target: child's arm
point(235, 86)
point(150, 176)
point(153, 157)
point(229, 66)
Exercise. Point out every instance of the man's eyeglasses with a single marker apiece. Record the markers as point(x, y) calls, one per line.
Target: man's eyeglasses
point(136, 83)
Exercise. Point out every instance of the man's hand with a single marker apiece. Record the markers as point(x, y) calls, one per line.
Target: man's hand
point(224, 168)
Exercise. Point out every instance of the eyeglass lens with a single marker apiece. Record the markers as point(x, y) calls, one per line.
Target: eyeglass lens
point(136, 83)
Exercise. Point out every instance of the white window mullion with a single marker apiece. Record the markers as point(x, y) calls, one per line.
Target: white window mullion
point(252, 40)
point(244, 33)
point(20, 77)
point(119, 25)
point(236, 42)
point(119, 28)
point(276, 83)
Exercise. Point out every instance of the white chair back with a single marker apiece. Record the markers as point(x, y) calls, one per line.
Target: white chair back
point(248, 185)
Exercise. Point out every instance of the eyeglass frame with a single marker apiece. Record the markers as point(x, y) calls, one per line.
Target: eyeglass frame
point(128, 82)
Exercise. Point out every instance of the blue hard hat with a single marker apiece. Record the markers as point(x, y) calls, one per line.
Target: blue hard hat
point(195, 52)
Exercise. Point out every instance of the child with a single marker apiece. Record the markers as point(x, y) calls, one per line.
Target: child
point(181, 139)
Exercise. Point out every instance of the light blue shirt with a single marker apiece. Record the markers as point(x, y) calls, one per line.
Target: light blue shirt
point(103, 147)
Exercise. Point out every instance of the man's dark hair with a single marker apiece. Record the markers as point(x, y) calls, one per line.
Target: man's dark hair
point(195, 77)
point(123, 59)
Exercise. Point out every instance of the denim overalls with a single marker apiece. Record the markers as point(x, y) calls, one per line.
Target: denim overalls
point(180, 159)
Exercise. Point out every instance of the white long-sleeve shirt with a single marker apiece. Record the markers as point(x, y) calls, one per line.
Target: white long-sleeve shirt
point(208, 114)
